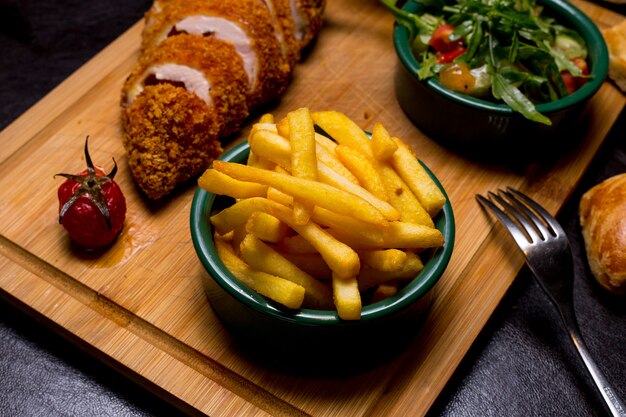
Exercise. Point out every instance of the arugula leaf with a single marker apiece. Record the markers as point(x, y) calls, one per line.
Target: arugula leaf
point(428, 65)
point(474, 40)
point(514, 48)
point(503, 90)
point(562, 62)
point(462, 30)
point(540, 62)
point(411, 21)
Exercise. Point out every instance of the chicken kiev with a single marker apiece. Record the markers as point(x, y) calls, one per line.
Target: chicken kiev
point(204, 65)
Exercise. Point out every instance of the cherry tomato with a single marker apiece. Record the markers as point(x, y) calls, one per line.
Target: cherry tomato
point(92, 207)
point(447, 57)
point(445, 49)
point(457, 77)
point(574, 83)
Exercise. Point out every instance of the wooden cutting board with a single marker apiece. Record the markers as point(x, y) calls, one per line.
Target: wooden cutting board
point(140, 306)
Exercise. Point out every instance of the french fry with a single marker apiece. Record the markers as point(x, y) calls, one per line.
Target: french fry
point(260, 256)
point(218, 183)
point(266, 227)
point(325, 142)
point(279, 197)
point(355, 228)
point(332, 161)
point(275, 288)
point(382, 143)
point(237, 235)
point(282, 127)
point(330, 177)
point(411, 236)
point(355, 242)
point(370, 278)
point(402, 198)
point(390, 260)
point(344, 131)
point(347, 298)
point(266, 122)
point(252, 159)
point(302, 211)
point(279, 169)
point(266, 118)
point(237, 214)
point(342, 259)
point(296, 244)
point(418, 180)
point(399, 235)
point(272, 146)
point(270, 127)
point(278, 149)
point(384, 291)
point(352, 227)
point(258, 161)
point(311, 263)
point(303, 157)
point(315, 192)
point(263, 163)
point(302, 140)
point(364, 170)
point(334, 176)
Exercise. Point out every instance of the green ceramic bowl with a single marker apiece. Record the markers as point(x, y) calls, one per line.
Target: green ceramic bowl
point(478, 126)
point(267, 326)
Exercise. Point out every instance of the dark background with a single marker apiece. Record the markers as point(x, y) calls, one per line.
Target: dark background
point(522, 364)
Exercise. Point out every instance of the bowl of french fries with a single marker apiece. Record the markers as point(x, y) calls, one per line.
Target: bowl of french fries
point(315, 232)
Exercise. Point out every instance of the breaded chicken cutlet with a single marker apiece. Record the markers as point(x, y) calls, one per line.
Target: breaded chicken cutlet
point(181, 98)
point(204, 65)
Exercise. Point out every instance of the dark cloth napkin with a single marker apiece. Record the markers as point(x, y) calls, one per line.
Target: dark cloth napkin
point(521, 365)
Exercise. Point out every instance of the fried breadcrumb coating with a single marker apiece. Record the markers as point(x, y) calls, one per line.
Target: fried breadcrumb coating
point(170, 135)
point(313, 11)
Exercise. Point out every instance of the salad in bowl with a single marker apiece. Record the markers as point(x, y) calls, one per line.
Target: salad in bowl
point(500, 51)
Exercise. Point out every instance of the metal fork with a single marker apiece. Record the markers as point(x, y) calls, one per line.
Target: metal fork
point(548, 254)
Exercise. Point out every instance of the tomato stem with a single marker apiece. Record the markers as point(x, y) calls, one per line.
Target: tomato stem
point(90, 185)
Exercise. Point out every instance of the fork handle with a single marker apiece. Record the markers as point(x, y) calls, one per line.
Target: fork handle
point(613, 402)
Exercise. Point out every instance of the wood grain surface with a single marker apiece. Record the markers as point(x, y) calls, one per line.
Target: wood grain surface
point(140, 306)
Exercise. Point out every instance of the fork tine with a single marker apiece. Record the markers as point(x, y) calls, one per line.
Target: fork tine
point(515, 231)
point(547, 217)
point(531, 233)
point(531, 219)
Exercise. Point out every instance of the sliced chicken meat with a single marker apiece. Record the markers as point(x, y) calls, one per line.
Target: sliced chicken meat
point(191, 79)
point(246, 24)
point(223, 29)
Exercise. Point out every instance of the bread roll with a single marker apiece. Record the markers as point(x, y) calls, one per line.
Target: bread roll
point(615, 38)
point(603, 219)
